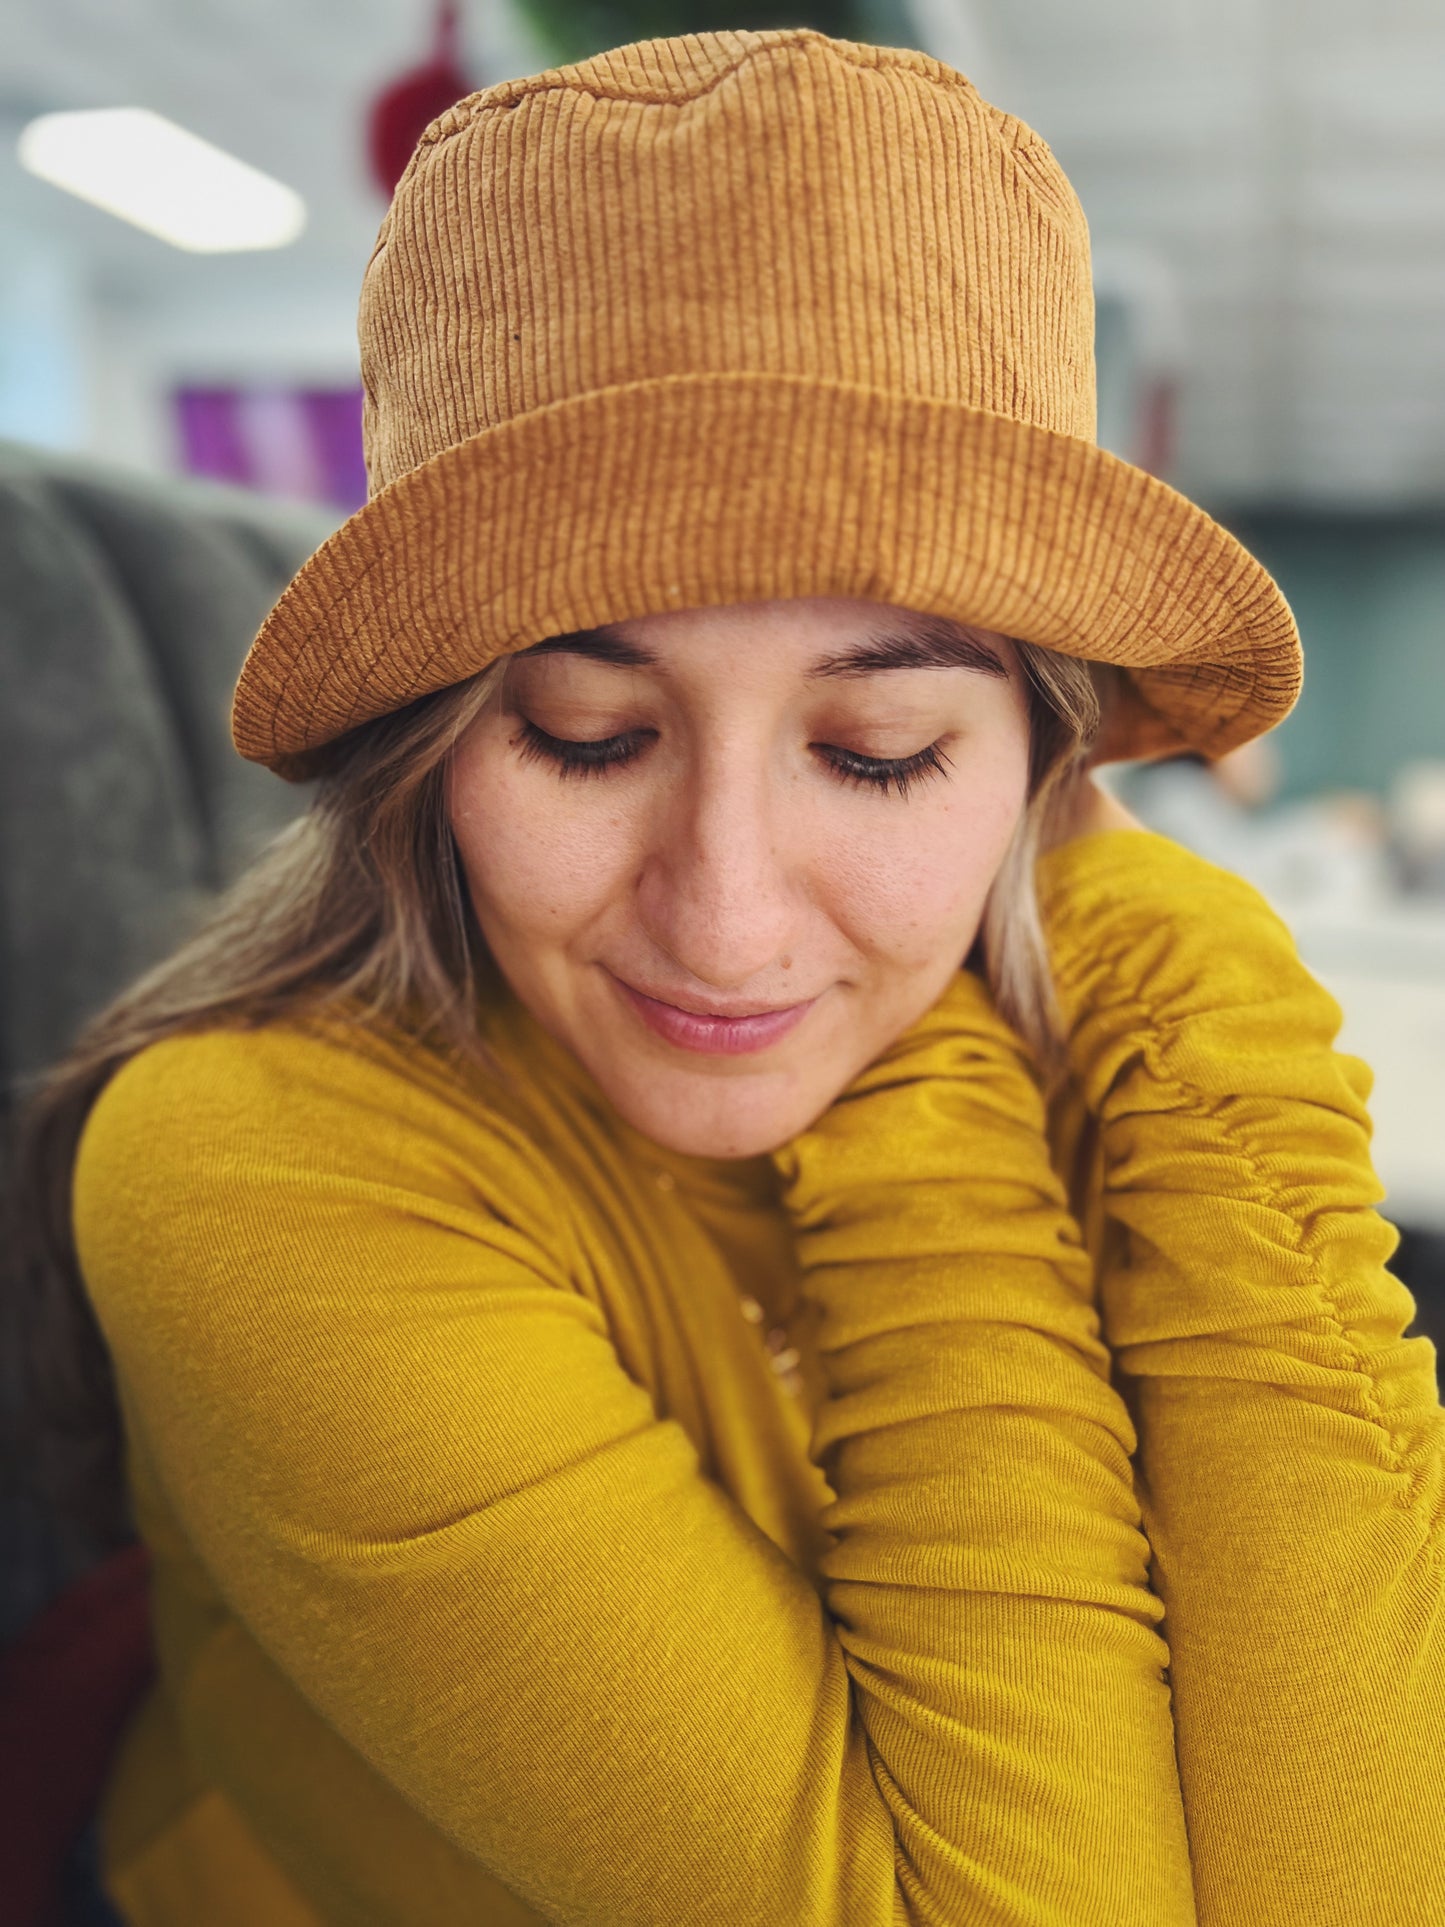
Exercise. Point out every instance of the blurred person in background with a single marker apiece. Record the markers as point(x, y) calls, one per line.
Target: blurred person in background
point(721, 1291)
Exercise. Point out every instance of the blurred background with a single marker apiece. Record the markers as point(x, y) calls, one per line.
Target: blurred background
point(189, 192)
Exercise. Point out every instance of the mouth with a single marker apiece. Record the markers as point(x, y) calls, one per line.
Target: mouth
point(712, 1010)
point(713, 1032)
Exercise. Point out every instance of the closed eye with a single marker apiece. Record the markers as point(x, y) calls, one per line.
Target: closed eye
point(606, 753)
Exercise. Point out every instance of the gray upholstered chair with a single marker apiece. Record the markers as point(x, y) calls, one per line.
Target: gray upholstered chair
point(126, 605)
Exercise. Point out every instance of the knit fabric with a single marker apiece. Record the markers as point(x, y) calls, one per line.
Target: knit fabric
point(1089, 1576)
point(734, 317)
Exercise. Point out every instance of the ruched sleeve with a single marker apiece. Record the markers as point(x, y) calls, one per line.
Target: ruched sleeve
point(1291, 1442)
point(349, 1315)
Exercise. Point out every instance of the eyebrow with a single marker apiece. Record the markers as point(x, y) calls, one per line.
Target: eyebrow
point(935, 644)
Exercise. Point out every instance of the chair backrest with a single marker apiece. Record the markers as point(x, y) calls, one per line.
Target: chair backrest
point(126, 605)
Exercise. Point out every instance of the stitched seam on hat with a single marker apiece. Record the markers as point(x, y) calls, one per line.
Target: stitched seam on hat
point(947, 79)
point(1041, 190)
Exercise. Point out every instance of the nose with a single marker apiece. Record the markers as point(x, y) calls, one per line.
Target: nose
point(720, 887)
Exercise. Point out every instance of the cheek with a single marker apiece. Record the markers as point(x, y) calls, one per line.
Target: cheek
point(535, 863)
point(918, 879)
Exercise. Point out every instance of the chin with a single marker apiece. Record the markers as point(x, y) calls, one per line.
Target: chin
point(705, 1117)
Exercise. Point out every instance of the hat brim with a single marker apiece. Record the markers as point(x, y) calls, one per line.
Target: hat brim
point(697, 490)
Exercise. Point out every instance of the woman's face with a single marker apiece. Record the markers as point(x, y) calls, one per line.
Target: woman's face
point(736, 810)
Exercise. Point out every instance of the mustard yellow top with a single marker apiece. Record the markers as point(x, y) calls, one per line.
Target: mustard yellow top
point(1085, 1566)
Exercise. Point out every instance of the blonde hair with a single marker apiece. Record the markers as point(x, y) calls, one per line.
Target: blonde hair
point(1066, 704)
point(362, 899)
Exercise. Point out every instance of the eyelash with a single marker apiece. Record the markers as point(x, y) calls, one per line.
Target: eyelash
point(612, 752)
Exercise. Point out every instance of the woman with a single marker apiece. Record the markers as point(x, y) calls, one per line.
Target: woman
point(653, 1394)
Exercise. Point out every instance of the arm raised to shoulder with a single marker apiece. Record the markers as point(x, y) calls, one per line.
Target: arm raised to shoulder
point(1291, 1456)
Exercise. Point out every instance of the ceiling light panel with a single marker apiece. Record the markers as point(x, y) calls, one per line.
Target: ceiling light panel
point(146, 170)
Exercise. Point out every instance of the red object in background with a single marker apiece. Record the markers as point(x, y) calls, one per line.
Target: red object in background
point(401, 114)
point(68, 1686)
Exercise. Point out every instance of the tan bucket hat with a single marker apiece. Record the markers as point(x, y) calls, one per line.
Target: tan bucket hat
point(734, 317)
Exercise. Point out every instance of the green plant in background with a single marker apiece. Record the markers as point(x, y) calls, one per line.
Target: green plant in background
point(573, 29)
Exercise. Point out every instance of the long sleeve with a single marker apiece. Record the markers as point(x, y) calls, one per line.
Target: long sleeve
point(1291, 1439)
point(348, 1313)
point(989, 1582)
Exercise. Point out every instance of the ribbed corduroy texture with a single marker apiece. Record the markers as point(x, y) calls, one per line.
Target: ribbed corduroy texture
point(739, 316)
point(498, 1581)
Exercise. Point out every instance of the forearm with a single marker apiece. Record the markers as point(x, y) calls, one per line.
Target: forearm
point(989, 1580)
point(1291, 1442)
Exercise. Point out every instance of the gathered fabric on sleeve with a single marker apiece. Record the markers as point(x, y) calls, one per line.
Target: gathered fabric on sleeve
point(365, 1359)
point(1291, 1442)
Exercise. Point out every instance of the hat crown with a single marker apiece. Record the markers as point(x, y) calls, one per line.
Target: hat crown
point(771, 202)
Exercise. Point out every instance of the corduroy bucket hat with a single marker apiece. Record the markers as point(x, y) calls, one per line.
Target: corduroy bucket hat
point(736, 317)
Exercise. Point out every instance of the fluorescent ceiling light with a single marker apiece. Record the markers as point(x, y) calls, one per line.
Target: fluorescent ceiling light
point(137, 165)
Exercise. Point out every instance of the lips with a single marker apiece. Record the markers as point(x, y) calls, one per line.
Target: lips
point(706, 1031)
point(713, 1010)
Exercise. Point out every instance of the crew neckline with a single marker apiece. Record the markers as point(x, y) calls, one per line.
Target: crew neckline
point(746, 1183)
